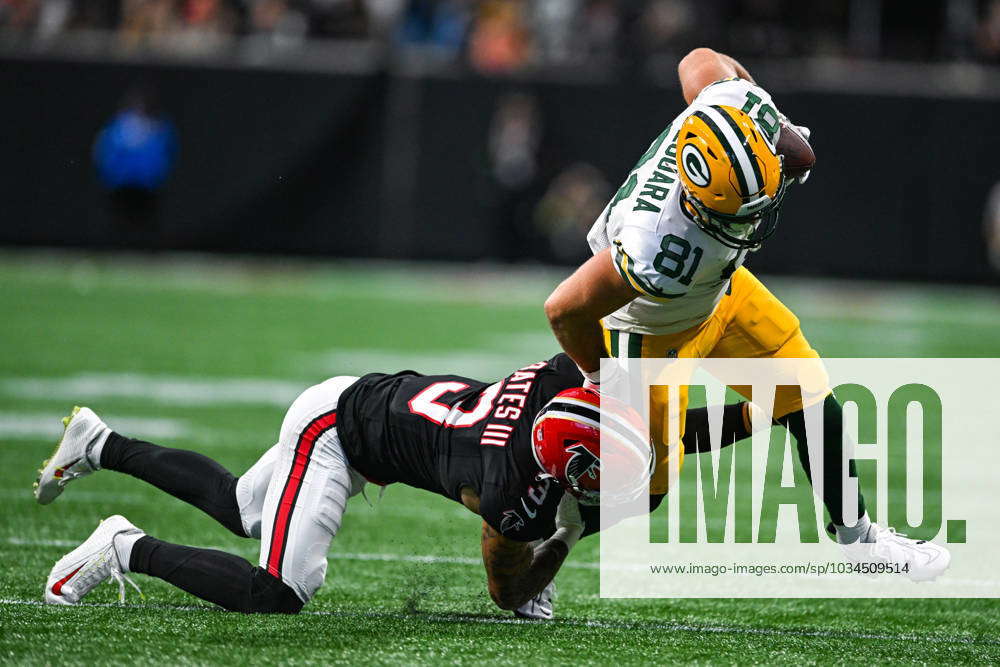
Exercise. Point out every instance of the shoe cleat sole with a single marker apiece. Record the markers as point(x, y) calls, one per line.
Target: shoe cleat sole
point(45, 464)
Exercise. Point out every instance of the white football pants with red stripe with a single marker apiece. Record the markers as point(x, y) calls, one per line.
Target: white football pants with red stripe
point(293, 498)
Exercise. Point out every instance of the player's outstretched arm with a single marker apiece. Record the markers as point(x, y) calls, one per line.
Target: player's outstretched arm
point(515, 572)
point(702, 67)
point(576, 307)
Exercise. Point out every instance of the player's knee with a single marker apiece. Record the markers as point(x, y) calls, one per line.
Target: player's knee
point(270, 595)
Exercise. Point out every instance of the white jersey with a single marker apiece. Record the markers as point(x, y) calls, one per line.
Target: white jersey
point(681, 271)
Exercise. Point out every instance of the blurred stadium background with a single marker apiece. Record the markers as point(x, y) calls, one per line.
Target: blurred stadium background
point(492, 130)
point(210, 204)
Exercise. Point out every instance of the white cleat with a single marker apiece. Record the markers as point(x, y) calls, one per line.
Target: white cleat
point(82, 431)
point(540, 606)
point(919, 560)
point(82, 569)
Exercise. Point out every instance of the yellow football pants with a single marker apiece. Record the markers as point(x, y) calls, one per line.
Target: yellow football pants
point(748, 323)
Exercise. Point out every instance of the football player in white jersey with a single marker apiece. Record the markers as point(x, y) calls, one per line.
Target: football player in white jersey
point(667, 279)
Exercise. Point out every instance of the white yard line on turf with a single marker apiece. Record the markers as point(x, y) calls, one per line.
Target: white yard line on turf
point(23, 492)
point(392, 281)
point(582, 623)
point(490, 358)
point(480, 365)
point(410, 558)
point(485, 283)
point(486, 358)
point(333, 555)
point(163, 389)
point(49, 425)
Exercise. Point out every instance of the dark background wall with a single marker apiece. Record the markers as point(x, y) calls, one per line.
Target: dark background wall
point(275, 162)
point(398, 166)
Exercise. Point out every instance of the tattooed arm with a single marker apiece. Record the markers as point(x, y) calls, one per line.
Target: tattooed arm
point(515, 572)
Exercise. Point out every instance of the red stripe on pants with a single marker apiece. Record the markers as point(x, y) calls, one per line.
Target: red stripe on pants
point(283, 518)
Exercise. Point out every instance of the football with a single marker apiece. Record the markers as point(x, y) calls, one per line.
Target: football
point(798, 154)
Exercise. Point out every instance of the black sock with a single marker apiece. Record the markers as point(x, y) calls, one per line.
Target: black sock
point(189, 476)
point(696, 432)
point(833, 437)
point(216, 576)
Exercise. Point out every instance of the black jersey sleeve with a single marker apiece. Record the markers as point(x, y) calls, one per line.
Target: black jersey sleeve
point(526, 517)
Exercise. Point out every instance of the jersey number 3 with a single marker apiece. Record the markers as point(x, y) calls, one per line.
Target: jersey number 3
point(429, 405)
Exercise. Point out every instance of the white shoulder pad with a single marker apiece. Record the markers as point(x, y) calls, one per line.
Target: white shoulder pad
point(747, 97)
point(641, 261)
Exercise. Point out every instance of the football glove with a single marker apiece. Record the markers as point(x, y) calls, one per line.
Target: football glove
point(569, 523)
point(540, 606)
point(593, 380)
point(568, 513)
point(806, 133)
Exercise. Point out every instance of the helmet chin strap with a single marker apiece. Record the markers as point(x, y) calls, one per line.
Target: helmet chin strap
point(717, 226)
point(690, 208)
point(709, 225)
point(748, 209)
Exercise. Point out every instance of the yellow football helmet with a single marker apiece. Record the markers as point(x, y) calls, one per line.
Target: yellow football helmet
point(731, 177)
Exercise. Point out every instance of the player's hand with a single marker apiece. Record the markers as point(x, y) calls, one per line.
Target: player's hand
point(804, 177)
point(806, 133)
point(540, 606)
point(802, 129)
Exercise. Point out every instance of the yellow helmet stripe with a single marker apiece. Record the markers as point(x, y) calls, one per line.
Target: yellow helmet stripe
point(744, 141)
point(727, 147)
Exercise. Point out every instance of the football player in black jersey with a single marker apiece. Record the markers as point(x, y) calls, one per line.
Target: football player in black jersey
point(523, 453)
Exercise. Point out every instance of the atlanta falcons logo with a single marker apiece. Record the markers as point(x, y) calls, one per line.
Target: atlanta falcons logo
point(511, 521)
point(583, 462)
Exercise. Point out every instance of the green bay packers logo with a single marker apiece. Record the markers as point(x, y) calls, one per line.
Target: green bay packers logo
point(695, 166)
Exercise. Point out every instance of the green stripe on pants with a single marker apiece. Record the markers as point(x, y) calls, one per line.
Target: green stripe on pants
point(635, 346)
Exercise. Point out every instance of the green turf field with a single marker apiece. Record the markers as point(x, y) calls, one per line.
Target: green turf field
point(207, 354)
